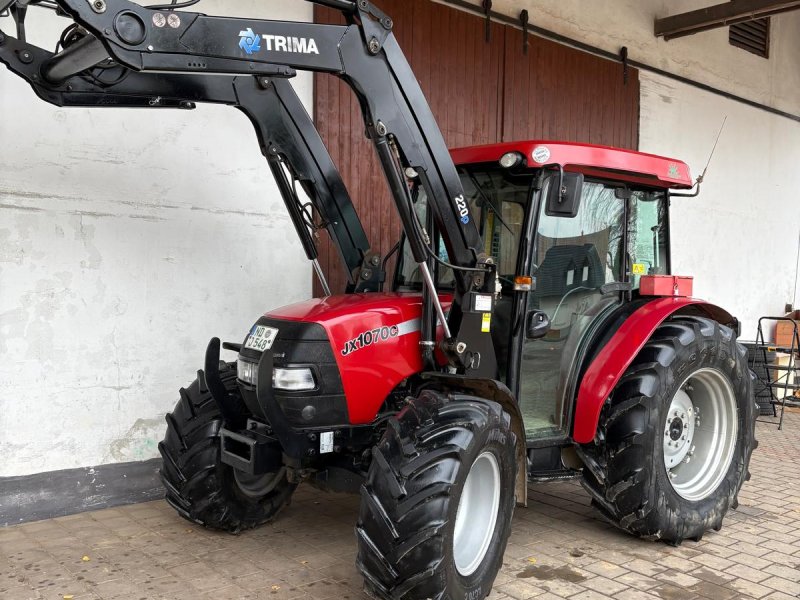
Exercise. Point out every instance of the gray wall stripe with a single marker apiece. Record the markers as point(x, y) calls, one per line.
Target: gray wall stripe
point(59, 493)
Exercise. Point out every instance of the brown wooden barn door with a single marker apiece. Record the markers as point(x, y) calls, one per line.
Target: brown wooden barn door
point(480, 93)
point(555, 92)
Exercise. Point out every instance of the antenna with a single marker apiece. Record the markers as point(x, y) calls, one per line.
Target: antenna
point(710, 156)
point(699, 180)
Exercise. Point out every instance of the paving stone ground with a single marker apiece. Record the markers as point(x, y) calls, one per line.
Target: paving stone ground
point(559, 548)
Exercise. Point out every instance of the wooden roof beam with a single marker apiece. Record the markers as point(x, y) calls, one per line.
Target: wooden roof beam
point(720, 15)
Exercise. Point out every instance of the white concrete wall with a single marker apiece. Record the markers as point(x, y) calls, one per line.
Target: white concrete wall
point(740, 236)
point(128, 238)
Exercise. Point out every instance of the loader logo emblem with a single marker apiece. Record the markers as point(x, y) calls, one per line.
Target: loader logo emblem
point(249, 42)
point(463, 211)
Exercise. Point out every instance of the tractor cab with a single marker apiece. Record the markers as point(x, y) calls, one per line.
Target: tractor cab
point(572, 228)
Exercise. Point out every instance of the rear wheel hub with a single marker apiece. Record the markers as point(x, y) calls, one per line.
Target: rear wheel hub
point(700, 434)
point(679, 429)
point(676, 429)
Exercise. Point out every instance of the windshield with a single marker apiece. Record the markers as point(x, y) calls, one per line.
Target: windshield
point(497, 201)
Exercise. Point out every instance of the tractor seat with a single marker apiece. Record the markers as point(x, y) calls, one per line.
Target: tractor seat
point(567, 268)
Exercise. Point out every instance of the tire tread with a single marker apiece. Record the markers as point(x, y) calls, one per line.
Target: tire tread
point(619, 473)
point(400, 529)
point(197, 484)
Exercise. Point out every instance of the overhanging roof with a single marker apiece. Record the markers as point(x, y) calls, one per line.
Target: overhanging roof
point(720, 15)
point(597, 161)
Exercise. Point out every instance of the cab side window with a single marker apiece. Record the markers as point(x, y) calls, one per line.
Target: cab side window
point(583, 253)
point(647, 237)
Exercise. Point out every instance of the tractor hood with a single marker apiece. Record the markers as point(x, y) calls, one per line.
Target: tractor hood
point(375, 342)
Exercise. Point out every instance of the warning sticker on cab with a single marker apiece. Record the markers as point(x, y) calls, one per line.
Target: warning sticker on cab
point(639, 269)
point(261, 338)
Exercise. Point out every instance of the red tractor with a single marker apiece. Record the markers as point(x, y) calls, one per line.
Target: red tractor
point(531, 329)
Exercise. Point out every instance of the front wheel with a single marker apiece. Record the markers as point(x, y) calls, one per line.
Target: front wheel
point(198, 484)
point(437, 504)
point(676, 436)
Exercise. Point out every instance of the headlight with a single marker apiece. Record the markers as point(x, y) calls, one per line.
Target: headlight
point(293, 379)
point(247, 371)
point(510, 159)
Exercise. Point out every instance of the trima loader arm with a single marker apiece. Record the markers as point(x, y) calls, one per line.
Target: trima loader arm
point(172, 58)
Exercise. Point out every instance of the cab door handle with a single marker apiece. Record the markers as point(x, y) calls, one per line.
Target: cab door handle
point(537, 324)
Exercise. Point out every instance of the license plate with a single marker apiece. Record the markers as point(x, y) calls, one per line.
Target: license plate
point(261, 338)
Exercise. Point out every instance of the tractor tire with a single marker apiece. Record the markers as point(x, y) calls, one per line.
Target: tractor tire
point(198, 484)
point(437, 504)
point(675, 438)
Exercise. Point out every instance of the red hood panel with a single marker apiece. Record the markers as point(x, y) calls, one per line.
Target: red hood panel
point(375, 339)
point(332, 308)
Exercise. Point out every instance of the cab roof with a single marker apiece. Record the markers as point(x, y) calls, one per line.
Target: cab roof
point(597, 161)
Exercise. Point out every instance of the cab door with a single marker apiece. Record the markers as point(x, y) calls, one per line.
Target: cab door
point(572, 260)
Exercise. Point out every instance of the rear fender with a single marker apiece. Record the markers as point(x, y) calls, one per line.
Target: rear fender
point(491, 389)
point(615, 357)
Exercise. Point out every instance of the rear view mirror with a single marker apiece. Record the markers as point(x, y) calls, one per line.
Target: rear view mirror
point(564, 200)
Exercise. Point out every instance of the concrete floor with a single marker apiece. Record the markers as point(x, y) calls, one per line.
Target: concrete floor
point(559, 548)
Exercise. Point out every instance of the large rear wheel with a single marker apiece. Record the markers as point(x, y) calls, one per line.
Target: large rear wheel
point(675, 438)
point(437, 504)
point(198, 484)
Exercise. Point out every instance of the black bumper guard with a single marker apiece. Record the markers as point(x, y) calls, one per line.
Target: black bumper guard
point(247, 443)
point(250, 451)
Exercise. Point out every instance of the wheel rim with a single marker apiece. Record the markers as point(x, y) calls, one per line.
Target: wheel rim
point(700, 434)
point(477, 514)
point(258, 486)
